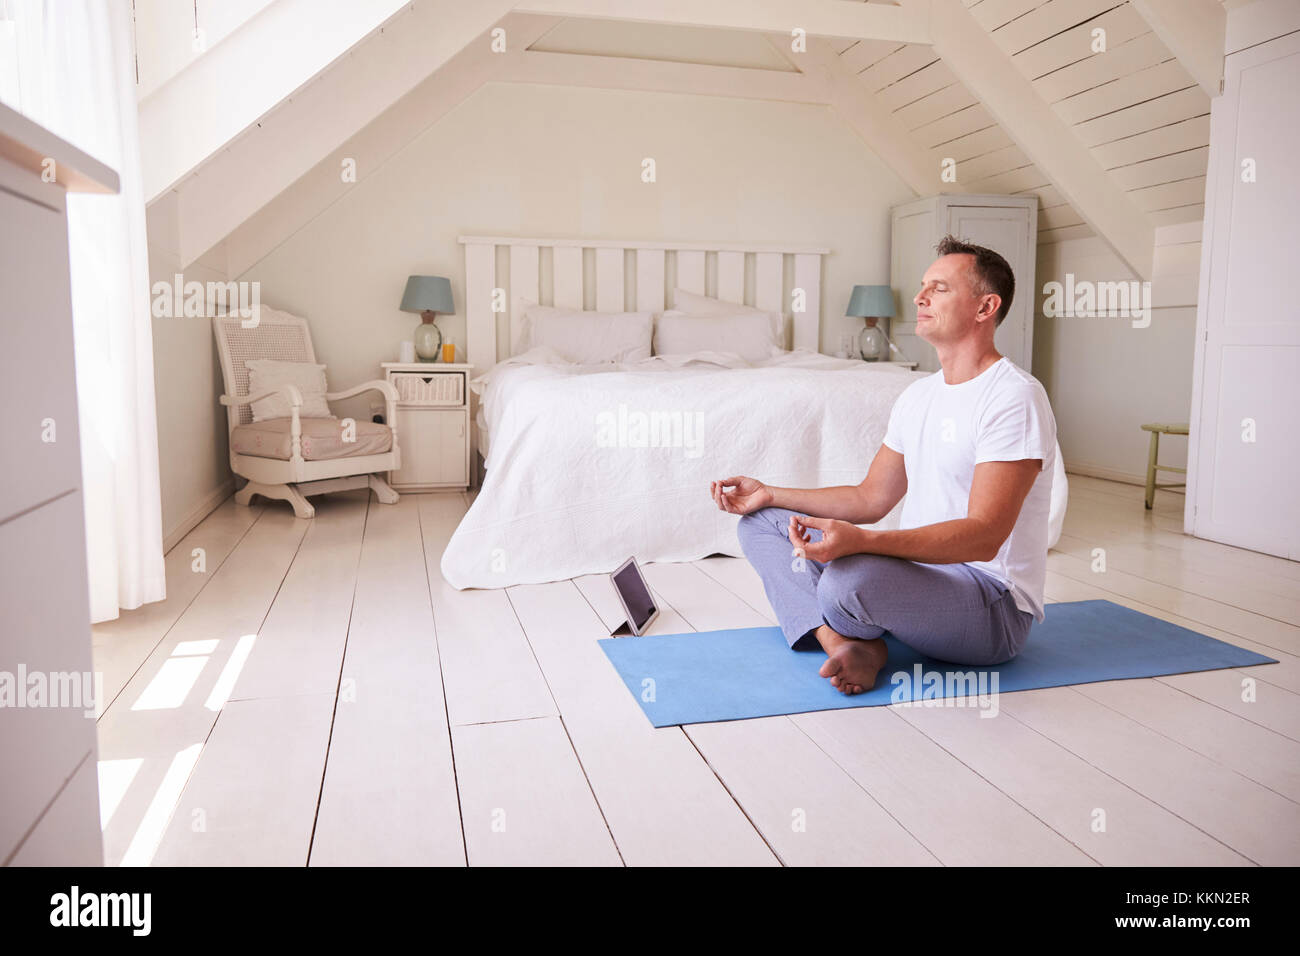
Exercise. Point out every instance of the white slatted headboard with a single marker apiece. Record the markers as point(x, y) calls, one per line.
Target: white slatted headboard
point(622, 275)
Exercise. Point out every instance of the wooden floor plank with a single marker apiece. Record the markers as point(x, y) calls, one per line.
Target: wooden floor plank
point(956, 814)
point(524, 799)
point(161, 718)
point(1254, 751)
point(1253, 820)
point(1112, 823)
point(389, 796)
point(1265, 630)
point(252, 797)
point(664, 806)
point(1284, 674)
point(828, 819)
point(1092, 515)
point(739, 577)
point(299, 647)
point(489, 672)
point(1237, 587)
point(121, 646)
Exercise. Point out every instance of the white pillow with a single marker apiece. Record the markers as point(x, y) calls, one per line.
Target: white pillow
point(589, 338)
point(267, 374)
point(693, 304)
point(747, 334)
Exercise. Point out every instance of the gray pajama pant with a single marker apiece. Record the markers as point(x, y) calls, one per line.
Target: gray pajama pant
point(951, 612)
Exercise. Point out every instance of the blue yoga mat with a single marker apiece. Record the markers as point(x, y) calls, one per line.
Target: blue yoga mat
point(751, 672)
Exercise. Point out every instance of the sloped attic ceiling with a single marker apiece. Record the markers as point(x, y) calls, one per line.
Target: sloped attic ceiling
point(1129, 123)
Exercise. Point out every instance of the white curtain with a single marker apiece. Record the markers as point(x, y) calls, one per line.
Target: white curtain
point(72, 69)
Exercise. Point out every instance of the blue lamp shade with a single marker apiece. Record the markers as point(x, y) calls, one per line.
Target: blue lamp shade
point(876, 301)
point(428, 294)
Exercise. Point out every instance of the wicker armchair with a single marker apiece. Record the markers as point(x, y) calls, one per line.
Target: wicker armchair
point(291, 458)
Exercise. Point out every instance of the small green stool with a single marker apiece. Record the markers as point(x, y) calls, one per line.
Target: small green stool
point(1157, 429)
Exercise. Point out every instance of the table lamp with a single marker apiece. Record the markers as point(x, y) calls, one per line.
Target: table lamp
point(428, 295)
point(872, 302)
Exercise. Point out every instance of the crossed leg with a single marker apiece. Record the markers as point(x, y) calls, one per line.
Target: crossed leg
point(951, 612)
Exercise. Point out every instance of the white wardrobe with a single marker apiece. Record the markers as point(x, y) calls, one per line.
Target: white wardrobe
point(49, 795)
point(1006, 224)
point(1243, 456)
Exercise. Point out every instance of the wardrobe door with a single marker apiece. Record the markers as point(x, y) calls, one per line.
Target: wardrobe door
point(1246, 391)
point(1007, 230)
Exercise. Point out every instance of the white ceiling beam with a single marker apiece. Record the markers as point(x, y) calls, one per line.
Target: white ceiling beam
point(381, 139)
point(659, 76)
point(340, 101)
point(831, 18)
point(1053, 146)
point(883, 133)
point(1194, 32)
point(221, 93)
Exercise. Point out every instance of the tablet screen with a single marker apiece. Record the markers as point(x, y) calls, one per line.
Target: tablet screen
point(640, 605)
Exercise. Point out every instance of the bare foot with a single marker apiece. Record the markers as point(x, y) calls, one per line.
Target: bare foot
point(853, 665)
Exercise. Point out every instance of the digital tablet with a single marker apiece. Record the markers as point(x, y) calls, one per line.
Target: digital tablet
point(634, 594)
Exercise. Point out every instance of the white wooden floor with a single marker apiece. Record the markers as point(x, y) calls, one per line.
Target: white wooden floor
point(314, 693)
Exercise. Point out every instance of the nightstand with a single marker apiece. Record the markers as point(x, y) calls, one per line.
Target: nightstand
point(432, 424)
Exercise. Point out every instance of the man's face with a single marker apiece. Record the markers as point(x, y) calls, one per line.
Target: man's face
point(948, 305)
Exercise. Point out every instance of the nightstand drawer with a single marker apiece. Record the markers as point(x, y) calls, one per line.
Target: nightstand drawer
point(434, 443)
point(429, 388)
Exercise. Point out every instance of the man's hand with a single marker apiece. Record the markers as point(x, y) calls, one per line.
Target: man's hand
point(838, 538)
point(749, 495)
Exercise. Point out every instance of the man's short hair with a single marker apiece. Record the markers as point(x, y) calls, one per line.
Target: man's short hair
point(992, 272)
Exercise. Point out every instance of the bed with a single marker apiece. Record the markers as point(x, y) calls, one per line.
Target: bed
point(586, 464)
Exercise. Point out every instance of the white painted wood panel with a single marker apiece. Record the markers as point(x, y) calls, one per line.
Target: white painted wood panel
point(462, 618)
point(45, 631)
point(807, 324)
point(1147, 84)
point(524, 798)
point(480, 322)
point(525, 274)
point(609, 280)
point(955, 813)
point(389, 794)
point(37, 378)
point(1246, 395)
point(690, 270)
point(567, 266)
point(121, 646)
point(648, 781)
point(1212, 797)
point(769, 282)
point(178, 679)
point(1065, 792)
point(731, 276)
point(251, 799)
point(299, 646)
point(650, 280)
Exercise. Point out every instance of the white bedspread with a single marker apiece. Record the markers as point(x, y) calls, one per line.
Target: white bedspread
point(588, 465)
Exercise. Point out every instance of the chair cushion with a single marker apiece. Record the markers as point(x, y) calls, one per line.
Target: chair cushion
point(322, 439)
point(267, 374)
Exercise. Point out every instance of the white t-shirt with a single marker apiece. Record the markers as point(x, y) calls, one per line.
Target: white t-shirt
point(943, 431)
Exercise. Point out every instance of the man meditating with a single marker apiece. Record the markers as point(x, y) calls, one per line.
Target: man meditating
point(973, 448)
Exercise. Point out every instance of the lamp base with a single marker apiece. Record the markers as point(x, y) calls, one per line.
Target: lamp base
point(428, 342)
point(873, 345)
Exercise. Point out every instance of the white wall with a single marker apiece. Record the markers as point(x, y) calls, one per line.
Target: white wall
point(543, 160)
point(192, 454)
point(1105, 377)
